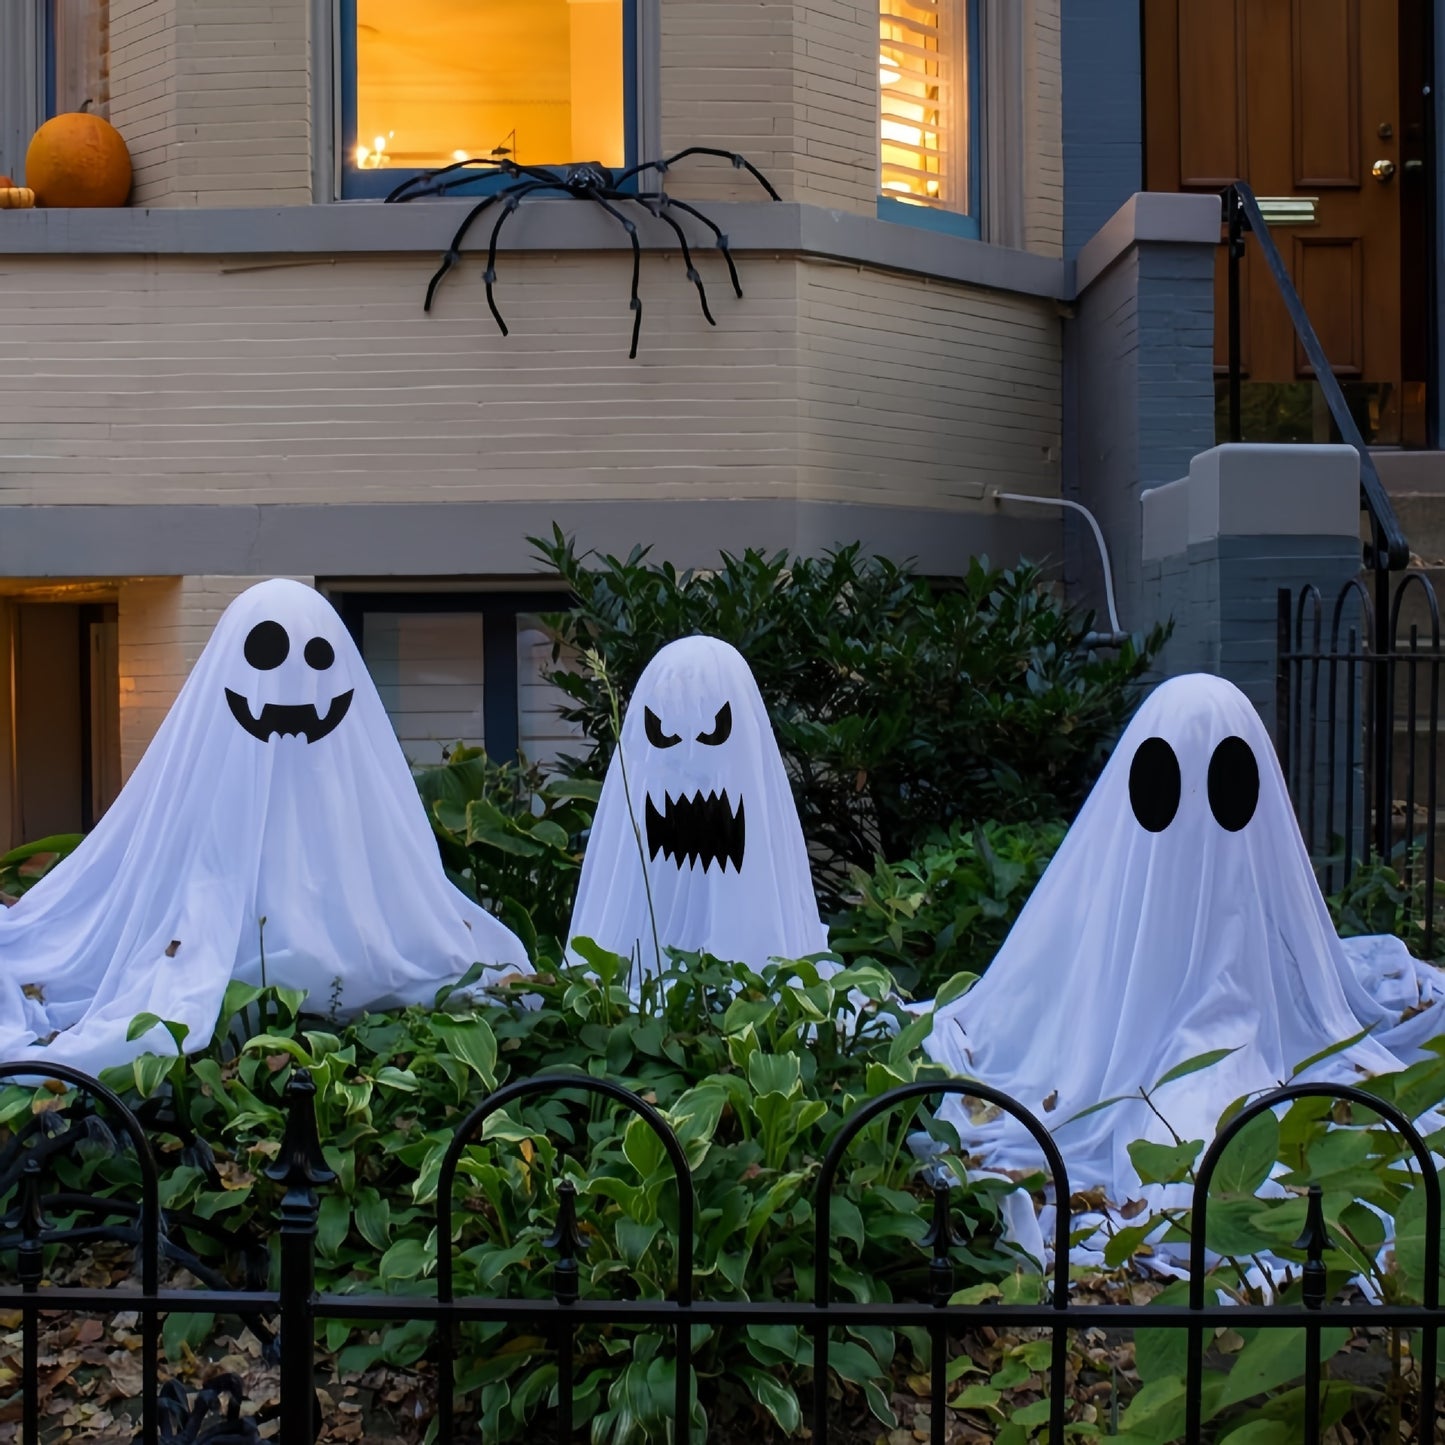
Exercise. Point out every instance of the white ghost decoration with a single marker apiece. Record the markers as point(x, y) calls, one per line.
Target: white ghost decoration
point(1181, 915)
point(275, 789)
point(713, 829)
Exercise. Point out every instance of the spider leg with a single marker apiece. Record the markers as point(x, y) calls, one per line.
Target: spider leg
point(740, 163)
point(454, 251)
point(636, 302)
point(514, 196)
point(424, 180)
point(722, 240)
point(658, 206)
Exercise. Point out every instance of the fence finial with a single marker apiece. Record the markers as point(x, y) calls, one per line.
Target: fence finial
point(300, 1165)
point(941, 1239)
point(570, 1243)
point(1314, 1241)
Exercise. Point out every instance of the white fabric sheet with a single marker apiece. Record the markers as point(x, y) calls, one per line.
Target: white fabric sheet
point(305, 816)
point(714, 817)
point(1144, 946)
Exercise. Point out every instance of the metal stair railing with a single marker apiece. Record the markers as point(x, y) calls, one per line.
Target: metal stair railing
point(1387, 551)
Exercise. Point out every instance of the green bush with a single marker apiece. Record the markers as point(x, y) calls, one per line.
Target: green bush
point(755, 1072)
point(511, 837)
point(900, 706)
point(947, 910)
point(22, 868)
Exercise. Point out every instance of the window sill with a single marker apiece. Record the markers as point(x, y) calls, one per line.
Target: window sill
point(426, 228)
point(943, 223)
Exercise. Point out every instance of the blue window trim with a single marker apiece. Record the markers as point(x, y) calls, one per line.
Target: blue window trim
point(358, 184)
point(49, 58)
point(927, 218)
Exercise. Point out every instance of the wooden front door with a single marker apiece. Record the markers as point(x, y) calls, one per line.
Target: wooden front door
point(1301, 98)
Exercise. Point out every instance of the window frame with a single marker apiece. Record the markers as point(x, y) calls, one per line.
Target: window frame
point(354, 184)
point(967, 222)
point(501, 681)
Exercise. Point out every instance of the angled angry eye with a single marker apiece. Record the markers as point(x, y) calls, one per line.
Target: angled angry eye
point(1233, 784)
point(655, 734)
point(266, 646)
point(1154, 785)
point(722, 726)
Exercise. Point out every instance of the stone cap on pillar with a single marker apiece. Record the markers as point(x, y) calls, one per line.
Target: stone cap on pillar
point(1254, 489)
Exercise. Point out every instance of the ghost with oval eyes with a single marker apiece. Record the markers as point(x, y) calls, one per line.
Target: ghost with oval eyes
point(274, 790)
point(713, 829)
point(1180, 915)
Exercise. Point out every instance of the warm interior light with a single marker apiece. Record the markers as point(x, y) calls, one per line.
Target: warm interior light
point(887, 75)
point(550, 72)
point(918, 72)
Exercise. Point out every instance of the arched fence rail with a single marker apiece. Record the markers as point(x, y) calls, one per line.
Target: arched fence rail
point(298, 1310)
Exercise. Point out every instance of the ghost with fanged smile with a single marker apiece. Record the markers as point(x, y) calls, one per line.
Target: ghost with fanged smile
point(712, 823)
point(274, 790)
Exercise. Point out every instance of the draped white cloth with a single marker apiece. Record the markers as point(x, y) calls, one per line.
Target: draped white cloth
point(1180, 915)
point(712, 830)
point(272, 832)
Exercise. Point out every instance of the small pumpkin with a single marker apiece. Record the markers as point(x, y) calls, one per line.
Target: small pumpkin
point(78, 159)
point(15, 198)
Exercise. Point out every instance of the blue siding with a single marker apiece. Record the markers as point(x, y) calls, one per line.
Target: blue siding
point(1103, 113)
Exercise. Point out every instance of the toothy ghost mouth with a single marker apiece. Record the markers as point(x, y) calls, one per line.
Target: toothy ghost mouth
point(697, 828)
point(283, 719)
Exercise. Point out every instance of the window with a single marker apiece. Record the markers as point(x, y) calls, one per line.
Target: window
point(462, 667)
point(77, 47)
point(926, 132)
point(428, 82)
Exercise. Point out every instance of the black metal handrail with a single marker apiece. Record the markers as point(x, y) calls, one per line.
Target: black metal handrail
point(1389, 550)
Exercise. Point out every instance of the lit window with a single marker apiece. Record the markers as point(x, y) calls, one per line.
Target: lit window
point(923, 113)
point(430, 82)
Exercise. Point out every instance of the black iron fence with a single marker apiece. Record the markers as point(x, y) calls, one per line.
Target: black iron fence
point(1357, 730)
point(214, 1413)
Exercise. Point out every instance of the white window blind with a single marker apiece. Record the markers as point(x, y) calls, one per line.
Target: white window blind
point(922, 62)
point(542, 734)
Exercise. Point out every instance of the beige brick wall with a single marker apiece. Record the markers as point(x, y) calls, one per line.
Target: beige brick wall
point(1043, 128)
point(792, 86)
point(164, 624)
point(924, 394)
point(176, 379)
point(213, 98)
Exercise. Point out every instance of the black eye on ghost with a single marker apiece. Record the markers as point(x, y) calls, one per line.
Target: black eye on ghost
point(721, 730)
point(1156, 784)
point(703, 828)
point(267, 646)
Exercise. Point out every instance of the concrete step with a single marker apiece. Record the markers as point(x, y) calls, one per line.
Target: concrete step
point(1416, 484)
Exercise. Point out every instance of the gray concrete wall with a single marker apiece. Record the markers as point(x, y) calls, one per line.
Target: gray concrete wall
point(1138, 381)
point(1103, 114)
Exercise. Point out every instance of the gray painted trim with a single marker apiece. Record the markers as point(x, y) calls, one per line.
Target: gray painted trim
point(325, 102)
point(22, 81)
point(367, 227)
point(469, 539)
point(649, 80)
point(1147, 216)
point(1001, 117)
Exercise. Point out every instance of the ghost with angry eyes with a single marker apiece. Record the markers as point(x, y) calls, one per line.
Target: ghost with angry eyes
point(1180, 916)
point(711, 833)
point(272, 833)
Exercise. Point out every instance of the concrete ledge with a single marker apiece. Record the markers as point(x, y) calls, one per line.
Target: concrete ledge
point(1144, 217)
point(1254, 490)
point(471, 539)
point(368, 227)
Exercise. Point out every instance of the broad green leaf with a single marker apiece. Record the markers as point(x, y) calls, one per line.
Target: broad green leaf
point(1164, 1163)
point(1271, 1359)
point(471, 1041)
point(1250, 1157)
point(1194, 1065)
point(773, 1395)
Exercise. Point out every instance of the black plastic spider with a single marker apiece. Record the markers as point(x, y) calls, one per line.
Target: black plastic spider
point(587, 182)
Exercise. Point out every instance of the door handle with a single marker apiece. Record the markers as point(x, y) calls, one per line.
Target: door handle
point(1383, 171)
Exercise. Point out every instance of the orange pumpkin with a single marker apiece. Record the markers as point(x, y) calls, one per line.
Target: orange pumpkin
point(78, 160)
point(16, 198)
point(5, 183)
